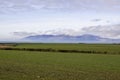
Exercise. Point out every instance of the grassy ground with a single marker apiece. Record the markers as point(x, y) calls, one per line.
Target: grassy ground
point(25, 65)
point(110, 48)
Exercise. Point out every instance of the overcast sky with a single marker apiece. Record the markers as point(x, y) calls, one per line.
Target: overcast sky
point(21, 18)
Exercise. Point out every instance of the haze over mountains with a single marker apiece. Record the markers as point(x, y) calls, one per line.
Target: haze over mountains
point(86, 38)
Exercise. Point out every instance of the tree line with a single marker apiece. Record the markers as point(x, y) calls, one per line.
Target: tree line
point(54, 50)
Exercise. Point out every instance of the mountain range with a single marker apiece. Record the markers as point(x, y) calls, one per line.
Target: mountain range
point(86, 38)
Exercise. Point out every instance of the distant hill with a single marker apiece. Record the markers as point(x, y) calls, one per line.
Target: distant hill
point(86, 38)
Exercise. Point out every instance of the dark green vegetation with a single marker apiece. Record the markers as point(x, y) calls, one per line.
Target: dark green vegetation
point(35, 65)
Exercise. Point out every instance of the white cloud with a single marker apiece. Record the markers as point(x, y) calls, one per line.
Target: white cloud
point(27, 5)
point(23, 34)
point(106, 31)
point(96, 20)
point(71, 32)
point(110, 31)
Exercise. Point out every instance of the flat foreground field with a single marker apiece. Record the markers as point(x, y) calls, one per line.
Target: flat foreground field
point(26, 65)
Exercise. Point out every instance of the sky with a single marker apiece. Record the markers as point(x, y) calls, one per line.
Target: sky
point(22, 18)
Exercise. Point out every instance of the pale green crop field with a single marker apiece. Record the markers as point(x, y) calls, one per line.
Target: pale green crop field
point(110, 48)
point(26, 65)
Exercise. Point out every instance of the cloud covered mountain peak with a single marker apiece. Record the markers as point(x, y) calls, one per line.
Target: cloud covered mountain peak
point(106, 31)
point(86, 38)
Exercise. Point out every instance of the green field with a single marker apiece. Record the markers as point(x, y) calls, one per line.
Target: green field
point(110, 48)
point(27, 65)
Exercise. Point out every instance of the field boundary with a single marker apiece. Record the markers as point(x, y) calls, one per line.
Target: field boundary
point(60, 50)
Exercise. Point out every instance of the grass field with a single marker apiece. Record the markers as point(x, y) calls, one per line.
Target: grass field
point(110, 48)
point(27, 65)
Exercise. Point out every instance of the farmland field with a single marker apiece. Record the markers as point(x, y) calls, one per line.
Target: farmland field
point(27, 65)
point(110, 48)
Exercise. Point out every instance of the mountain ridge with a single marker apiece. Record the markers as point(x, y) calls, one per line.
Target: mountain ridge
point(85, 38)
